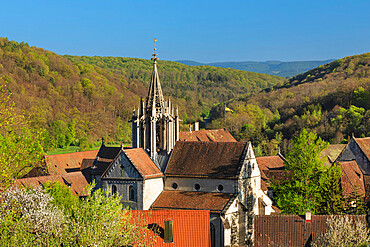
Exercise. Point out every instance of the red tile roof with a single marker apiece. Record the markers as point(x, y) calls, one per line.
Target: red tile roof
point(215, 202)
point(143, 163)
point(206, 159)
point(78, 182)
point(352, 178)
point(216, 135)
point(58, 163)
point(36, 182)
point(190, 227)
point(87, 163)
point(271, 167)
point(291, 230)
point(270, 162)
point(364, 144)
point(75, 180)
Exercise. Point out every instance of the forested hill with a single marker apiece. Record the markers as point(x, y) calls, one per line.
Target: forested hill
point(78, 100)
point(333, 100)
point(279, 68)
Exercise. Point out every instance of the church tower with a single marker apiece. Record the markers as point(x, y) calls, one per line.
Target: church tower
point(155, 124)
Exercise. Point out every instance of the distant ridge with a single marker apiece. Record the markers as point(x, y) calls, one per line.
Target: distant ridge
point(279, 68)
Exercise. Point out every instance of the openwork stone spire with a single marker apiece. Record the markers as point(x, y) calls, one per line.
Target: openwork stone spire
point(155, 96)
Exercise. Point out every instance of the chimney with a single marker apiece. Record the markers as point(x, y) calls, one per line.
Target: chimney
point(308, 216)
point(196, 126)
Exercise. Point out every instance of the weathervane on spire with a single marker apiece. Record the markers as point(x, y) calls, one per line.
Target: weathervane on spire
point(155, 51)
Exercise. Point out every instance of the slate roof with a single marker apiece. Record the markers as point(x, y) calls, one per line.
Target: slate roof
point(364, 144)
point(60, 163)
point(331, 153)
point(75, 180)
point(143, 163)
point(352, 178)
point(215, 202)
point(291, 230)
point(215, 135)
point(190, 228)
point(104, 158)
point(206, 159)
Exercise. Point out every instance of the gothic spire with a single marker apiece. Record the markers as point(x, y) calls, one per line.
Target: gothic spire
point(155, 95)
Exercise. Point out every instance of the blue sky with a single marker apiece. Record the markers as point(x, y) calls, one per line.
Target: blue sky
point(204, 31)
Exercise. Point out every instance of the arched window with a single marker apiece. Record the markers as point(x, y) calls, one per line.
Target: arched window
point(114, 189)
point(131, 193)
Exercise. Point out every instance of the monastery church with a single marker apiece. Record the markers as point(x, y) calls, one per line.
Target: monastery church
point(197, 170)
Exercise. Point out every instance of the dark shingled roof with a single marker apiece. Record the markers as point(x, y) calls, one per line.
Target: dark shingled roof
point(109, 152)
point(216, 135)
point(206, 159)
point(291, 230)
point(104, 158)
point(215, 202)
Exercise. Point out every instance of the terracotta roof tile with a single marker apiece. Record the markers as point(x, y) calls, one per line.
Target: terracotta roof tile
point(272, 168)
point(215, 202)
point(35, 182)
point(75, 180)
point(206, 159)
point(78, 182)
point(143, 163)
point(190, 227)
point(270, 162)
point(291, 230)
point(215, 135)
point(352, 178)
point(364, 144)
point(58, 163)
point(86, 163)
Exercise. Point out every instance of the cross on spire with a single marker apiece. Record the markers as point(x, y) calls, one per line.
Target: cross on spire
point(154, 58)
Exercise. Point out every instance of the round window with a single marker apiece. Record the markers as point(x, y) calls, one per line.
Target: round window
point(220, 187)
point(174, 186)
point(196, 186)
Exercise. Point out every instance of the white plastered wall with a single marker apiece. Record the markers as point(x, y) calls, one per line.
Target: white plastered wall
point(152, 188)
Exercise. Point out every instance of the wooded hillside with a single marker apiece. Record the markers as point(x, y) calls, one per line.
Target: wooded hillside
point(333, 99)
point(78, 100)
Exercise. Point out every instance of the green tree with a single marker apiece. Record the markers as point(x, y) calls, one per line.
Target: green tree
point(21, 147)
point(302, 190)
